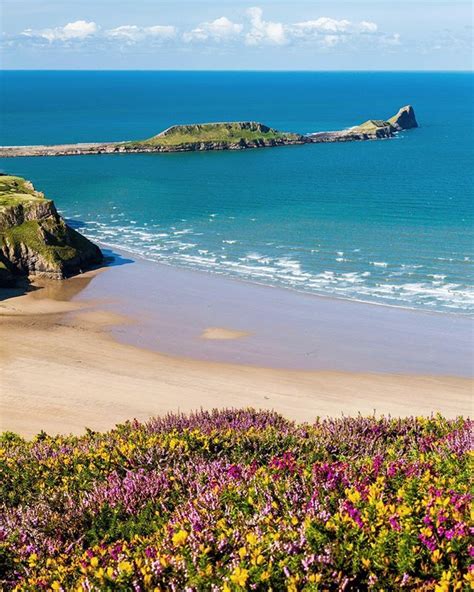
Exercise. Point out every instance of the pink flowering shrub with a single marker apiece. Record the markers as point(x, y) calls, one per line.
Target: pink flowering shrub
point(240, 500)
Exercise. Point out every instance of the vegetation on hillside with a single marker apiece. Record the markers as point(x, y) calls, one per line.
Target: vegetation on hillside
point(16, 190)
point(34, 238)
point(239, 500)
point(232, 132)
point(372, 125)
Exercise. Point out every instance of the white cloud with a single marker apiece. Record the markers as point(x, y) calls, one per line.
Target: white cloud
point(264, 31)
point(221, 29)
point(327, 32)
point(329, 26)
point(323, 32)
point(75, 30)
point(368, 27)
point(323, 24)
point(134, 33)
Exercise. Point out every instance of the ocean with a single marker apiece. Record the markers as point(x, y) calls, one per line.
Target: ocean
point(388, 222)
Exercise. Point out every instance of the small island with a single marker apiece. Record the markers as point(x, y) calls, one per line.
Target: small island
point(224, 136)
point(34, 239)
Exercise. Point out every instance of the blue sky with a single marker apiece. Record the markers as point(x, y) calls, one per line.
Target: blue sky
point(232, 34)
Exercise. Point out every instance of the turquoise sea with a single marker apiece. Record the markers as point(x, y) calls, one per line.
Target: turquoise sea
point(389, 222)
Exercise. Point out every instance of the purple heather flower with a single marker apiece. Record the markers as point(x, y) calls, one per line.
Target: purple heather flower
point(234, 471)
point(394, 523)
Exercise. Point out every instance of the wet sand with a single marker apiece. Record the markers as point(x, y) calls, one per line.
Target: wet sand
point(182, 312)
point(68, 360)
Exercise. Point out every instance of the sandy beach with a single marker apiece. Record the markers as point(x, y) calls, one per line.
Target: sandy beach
point(69, 362)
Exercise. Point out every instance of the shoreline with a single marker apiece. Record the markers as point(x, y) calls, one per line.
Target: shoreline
point(67, 361)
point(286, 328)
point(123, 252)
point(224, 135)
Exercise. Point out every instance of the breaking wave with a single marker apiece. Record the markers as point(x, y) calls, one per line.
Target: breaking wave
point(341, 274)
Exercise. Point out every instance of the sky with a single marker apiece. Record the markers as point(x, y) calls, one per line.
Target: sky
point(236, 34)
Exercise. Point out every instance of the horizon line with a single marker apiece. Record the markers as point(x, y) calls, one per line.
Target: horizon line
point(237, 70)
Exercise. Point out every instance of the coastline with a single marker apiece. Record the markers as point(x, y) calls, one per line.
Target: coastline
point(69, 360)
point(284, 328)
point(233, 135)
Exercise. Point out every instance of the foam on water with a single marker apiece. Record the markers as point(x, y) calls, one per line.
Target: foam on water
point(379, 284)
point(385, 222)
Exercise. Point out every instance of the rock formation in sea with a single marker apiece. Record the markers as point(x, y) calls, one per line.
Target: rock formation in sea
point(373, 129)
point(34, 239)
point(404, 119)
point(234, 135)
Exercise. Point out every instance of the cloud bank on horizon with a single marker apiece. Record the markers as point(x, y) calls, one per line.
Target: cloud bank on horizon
point(254, 30)
point(248, 38)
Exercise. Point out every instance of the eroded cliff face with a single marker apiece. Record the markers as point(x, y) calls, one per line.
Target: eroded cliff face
point(404, 119)
point(34, 239)
point(373, 129)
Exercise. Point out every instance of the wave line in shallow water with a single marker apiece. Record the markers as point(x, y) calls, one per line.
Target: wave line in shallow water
point(402, 285)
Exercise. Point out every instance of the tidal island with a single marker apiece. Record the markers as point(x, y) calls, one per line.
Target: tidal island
point(35, 240)
point(224, 136)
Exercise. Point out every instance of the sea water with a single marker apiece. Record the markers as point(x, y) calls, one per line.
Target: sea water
point(389, 222)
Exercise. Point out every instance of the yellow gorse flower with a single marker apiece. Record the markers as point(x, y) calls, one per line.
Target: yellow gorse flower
point(353, 495)
point(125, 567)
point(242, 552)
point(251, 539)
point(240, 576)
point(180, 537)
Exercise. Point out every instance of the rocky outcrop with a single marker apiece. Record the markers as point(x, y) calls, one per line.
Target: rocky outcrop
point(373, 129)
point(136, 148)
point(404, 119)
point(238, 135)
point(34, 239)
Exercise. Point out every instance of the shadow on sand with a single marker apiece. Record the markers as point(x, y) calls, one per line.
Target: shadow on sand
point(21, 287)
point(61, 289)
point(113, 259)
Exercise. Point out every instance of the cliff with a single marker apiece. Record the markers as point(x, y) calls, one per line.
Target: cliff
point(234, 135)
point(404, 119)
point(35, 239)
point(215, 136)
point(373, 129)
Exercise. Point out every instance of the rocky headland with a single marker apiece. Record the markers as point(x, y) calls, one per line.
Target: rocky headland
point(373, 129)
point(34, 239)
point(224, 136)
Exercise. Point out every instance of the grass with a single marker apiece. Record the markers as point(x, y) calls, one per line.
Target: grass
point(232, 132)
point(43, 238)
point(372, 124)
point(46, 238)
point(16, 190)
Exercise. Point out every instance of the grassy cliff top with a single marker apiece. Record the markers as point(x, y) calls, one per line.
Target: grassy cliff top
point(372, 127)
point(15, 190)
point(34, 239)
point(403, 119)
point(372, 124)
point(231, 132)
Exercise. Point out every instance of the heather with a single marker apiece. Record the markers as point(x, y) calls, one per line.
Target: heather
point(240, 500)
